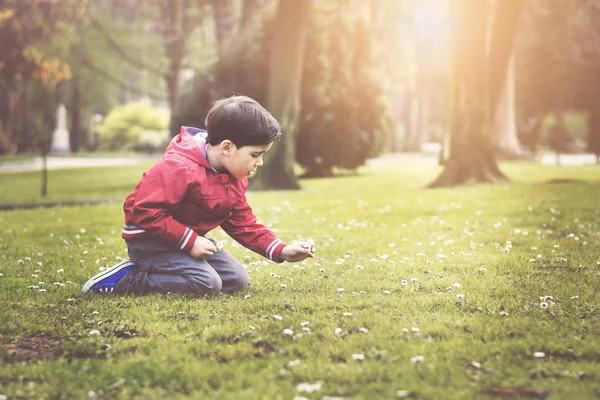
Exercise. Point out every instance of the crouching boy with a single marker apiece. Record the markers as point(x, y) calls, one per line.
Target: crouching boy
point(199, 184)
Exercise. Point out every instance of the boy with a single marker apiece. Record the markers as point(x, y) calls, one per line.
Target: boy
point(199, 184)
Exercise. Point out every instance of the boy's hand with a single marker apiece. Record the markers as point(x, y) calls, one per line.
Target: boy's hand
point(202, 248)
point(297, 252)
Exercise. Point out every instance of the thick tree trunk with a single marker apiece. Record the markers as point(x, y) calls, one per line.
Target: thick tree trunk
point(223, 19)
point(504, 129)
point(177, 26)
point(477, 75)
point(287, 55)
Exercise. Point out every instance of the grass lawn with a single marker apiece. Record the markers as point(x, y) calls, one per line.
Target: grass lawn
point(460, 293)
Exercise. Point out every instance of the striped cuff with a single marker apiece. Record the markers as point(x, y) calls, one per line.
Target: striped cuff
point(274, 249)
point(186, 242)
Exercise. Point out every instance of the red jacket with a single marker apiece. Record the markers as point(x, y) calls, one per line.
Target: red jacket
point(182, 197)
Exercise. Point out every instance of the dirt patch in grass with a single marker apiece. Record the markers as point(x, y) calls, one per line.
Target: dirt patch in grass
point(35, 348)
point(516, 392)
point(45, 348)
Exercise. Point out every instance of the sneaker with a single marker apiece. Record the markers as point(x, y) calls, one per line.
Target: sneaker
point(106, 281)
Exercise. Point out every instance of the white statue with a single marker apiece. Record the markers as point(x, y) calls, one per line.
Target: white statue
point(60, 137)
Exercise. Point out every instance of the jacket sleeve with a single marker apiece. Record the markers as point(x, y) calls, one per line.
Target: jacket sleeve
point(243, 227)
point(157, 196)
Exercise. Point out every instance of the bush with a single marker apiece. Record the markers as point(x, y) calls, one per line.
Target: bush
point(127, 127)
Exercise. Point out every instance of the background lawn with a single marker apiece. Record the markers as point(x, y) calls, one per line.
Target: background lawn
point(429, 294)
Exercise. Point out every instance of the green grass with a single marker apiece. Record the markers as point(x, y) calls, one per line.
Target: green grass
point(506, 245)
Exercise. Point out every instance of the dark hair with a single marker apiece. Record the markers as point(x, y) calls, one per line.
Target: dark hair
point(243, 121)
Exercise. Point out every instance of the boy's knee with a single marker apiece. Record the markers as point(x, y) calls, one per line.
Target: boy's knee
point(208, 285)
point(241, 282)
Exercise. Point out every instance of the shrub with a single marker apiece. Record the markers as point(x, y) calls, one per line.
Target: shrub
point(127, 127)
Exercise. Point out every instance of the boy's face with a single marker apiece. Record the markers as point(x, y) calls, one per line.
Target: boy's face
point(242, 162)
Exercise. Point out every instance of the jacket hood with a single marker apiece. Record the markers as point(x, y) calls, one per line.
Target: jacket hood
point(190, 143)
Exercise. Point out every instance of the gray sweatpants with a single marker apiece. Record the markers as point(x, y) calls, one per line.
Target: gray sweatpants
point(161, 268)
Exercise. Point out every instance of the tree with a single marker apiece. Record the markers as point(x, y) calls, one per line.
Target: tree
point(478, 71)
point(287, 55)
point(27, 27)
point(344, 104)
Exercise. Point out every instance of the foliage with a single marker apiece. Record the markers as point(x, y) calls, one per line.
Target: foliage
point(124, 126)
point(539, 241)
point(33, 34)
point(343, 107)
point(557, 56)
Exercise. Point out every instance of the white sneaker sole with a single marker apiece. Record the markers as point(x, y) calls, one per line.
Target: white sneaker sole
point(97, 278)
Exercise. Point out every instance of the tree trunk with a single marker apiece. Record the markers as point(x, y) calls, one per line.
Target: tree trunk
point(223, 19)
point(250, 9)
point(9, 100)
point(593, 139)
point(177, 26)
point(287, 55)
point(504, 128)
point(412, 107)
point(44, 189)
point(76, 131)
point(476, 74)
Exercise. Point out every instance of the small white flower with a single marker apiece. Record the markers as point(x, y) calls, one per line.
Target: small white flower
point(308, 387)
point(283, 285)
point(417, 359)
point(278, 317)
point(42, 290)
point(482, 270)
point(247, 296)
point(413, 280)
point(402, 393)
point(95, 312)
point(82, 230)
point(321, 269)
point(503, 314)
point(539, 354)
point(414, 329)
point(91, 394)
point(574, 297)
point(460, 296)
point(456, 285)
point(405, 330)
point(360, 267)
point(288, 332)
point(363, 330)
point(293, 363)
point(386, 292)
point(347, 314)
point(60, 271)
point(338, 331)
point(543, 304)
point(340, 290)
point(404, 282)
point(358, 357)
point(305, 323)
point(94, 332)
point(476, 364)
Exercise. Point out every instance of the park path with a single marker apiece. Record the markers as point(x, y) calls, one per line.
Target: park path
point(35, 164)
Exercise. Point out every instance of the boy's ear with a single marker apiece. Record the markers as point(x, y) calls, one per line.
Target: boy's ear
point(227, 146)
